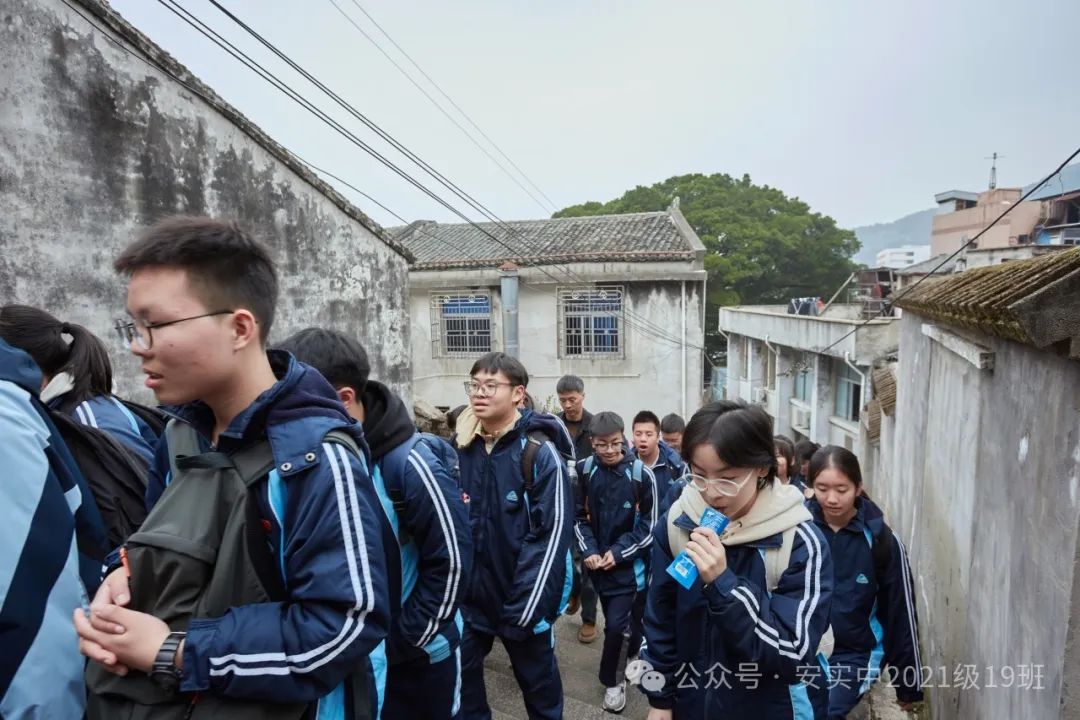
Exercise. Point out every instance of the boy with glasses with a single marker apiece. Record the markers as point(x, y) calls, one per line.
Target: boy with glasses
point(256, 587)
point(519, 495)
point(614, 516)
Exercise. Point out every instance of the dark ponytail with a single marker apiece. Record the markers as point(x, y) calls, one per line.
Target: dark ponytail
point(41, 336)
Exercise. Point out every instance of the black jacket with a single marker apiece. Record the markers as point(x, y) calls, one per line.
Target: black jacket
point(583, 441)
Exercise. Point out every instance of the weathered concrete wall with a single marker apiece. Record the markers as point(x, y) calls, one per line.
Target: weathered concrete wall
point(95, 143)
point(648, 377)
point(979, 474)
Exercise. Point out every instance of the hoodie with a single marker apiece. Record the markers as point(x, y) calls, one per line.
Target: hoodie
point(521, 539)
point(431, 524)
point(323, 520)
point(735, 622)
point(51, 533)
point(873, 612)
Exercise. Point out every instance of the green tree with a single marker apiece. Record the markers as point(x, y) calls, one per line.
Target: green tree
point(762, 247)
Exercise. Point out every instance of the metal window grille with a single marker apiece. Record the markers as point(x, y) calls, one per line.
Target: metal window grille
point(591, 322)
point(460, 323)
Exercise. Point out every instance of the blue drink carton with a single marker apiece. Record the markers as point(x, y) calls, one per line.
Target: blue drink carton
point(682, 568)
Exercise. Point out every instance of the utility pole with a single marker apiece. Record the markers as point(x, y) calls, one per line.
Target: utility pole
point(993, 169)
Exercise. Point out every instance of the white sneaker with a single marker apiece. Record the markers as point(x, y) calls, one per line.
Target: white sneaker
point(635, 669)
point(615, 698)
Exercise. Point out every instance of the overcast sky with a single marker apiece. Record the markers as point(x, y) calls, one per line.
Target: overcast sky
point(863, 109)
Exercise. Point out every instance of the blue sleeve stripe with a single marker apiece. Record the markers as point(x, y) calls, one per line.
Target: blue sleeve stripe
point(278, 663)
point(647, 540)
point(446, 525)
point(127, 414)
point(909, 603)
point(553, 541)
point(811, 595)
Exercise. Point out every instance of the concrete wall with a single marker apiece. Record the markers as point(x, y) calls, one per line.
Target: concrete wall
point(95, 143)
point(831, 331)
point(979, 474)
point(648, 377)
point(825, 428)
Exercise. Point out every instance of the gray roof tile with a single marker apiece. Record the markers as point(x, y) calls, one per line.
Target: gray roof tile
point(637, 237)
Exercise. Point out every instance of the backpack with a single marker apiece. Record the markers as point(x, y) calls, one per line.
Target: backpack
point(533, 442)
point(116, 476)
point(202, 550)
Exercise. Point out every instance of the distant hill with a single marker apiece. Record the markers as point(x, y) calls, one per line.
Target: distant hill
point(913, 229)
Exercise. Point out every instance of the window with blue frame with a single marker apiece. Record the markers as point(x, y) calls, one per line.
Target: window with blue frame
point(591, 322)
point(461, 323)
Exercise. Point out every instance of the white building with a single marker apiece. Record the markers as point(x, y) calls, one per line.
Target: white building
point(617, 300)
point(809, 373)
point(902, 257)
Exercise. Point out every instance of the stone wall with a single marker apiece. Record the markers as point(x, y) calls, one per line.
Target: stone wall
point(979, 474)
point(102, 133)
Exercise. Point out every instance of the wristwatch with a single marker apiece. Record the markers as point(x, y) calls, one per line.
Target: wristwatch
point(164, 671)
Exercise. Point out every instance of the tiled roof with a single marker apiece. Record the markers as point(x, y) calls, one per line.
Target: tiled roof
point(1036, 301)
point(637, 237)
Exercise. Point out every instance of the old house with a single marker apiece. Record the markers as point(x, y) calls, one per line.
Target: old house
point(617, 300)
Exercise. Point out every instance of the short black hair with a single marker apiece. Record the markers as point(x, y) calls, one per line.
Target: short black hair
point(673, 423)
point(226, 266)
point(528, 402)
point(646, 416)
point(805, 449)
point(570, 384)
point(743, 437)
point(508, 365)
point(340, 359)
point(786, 448)
point(700, 425)
point(838, 458)
point(606, 423)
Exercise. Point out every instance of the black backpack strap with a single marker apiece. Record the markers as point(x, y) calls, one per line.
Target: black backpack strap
point(882, 552)
point(533, 442)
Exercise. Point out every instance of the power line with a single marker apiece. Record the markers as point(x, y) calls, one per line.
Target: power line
point(348, 107)
point(641, 324)
point(248, 61)
point(549, 208)
point(297, 97)
point(908, 290)
point(456, 106)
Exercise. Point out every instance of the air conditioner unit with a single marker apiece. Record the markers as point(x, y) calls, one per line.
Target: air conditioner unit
point(759, 395)
point(800, 417)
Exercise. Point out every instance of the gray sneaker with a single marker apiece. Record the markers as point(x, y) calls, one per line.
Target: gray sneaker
point(615, 698)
